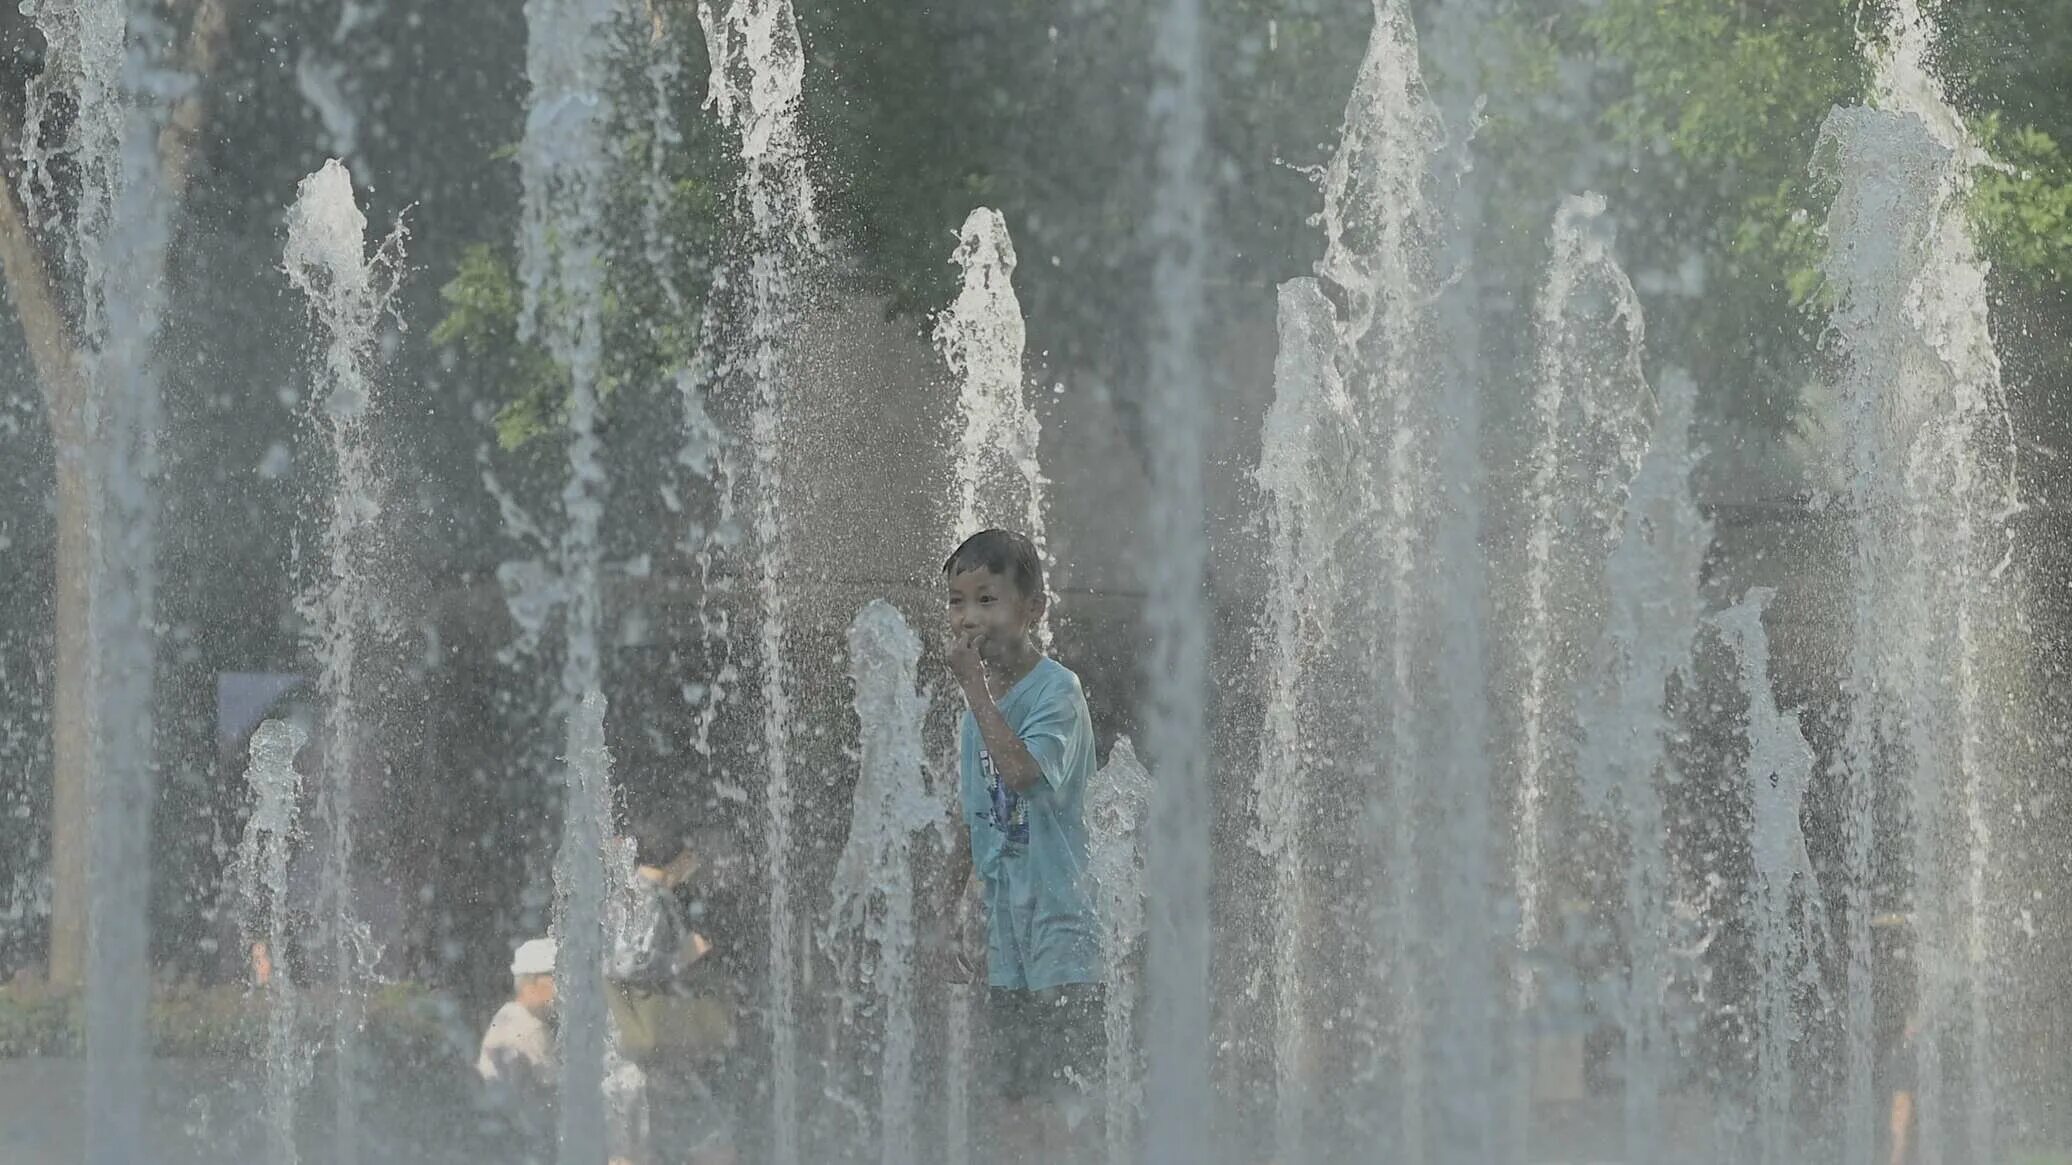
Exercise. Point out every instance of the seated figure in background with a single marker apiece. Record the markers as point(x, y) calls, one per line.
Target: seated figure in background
point(517, 1063)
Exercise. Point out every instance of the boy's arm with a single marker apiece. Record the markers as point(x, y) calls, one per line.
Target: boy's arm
point(1011, 757)
point(1018, 770)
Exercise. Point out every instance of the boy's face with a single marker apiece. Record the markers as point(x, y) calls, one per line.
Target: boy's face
point(536, 993)
point(986, 607)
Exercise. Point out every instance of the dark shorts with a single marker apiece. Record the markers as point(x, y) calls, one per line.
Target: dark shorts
point(1048, 1042)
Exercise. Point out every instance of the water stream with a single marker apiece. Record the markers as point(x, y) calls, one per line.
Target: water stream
point(1309, 431)
point(1380, 236)
point(1591, 408)
point(758, 74)
point(563, 163)
point(1783, 891)
point(1924, 471)
point(982, 338)
point(1644, 651)
point(261, 871)
point(1175, 613)
point(348, 291)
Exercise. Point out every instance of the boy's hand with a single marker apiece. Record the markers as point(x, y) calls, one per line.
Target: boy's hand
point(695, 947)
point(965, 662)
point(945, 956)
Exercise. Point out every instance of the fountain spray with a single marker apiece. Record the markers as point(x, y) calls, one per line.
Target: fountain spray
point(871, 924)
point(1651, 625)
point(1783, 893)
point(348, 291)
point(1116, 807)
point(261, 873)
point(1310, 428)
point(1380, 237)
point(1591, 409)
point(981, 337)
point(758, 74)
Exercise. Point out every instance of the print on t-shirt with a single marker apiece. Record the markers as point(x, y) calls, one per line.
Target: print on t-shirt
point(1010, 813)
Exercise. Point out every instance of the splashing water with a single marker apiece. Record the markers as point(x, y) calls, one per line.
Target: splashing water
point(1591, 406)
point(1343, 525)
point(1116, 807)
point(758, 75)
point(1967, 467)
point(1651, 625)
point(1374, 471)
point(348, 291)
point(1381, 238)
point(981, 337)
point(1309, 430)
point(871, 924)
point(708, 453)
point(261, 873)
point(1888, 166)
point(1783, 893)
point(563, 164)
point(1591, 409)
point(84, 60)
point(1927, 467)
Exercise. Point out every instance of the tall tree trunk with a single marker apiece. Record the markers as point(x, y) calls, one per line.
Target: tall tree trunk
point(54, 350)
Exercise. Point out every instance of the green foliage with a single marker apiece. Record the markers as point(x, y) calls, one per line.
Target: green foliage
point(1730, 82)
point(1696, 120)
point(1734, 93)
point(1736, 90)
point(1714, 107)
point(665, 219)
point(1782, 237)
point(481, 323)
point(222, 1022)
point(1696, 117)
point(2023, 205)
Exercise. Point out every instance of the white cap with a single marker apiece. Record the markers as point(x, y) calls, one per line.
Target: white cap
point(534, 957)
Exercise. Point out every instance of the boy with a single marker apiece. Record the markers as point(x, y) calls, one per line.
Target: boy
point(652, 946)
point(1026, 753)
point(517, 1059)
point(667, 1026)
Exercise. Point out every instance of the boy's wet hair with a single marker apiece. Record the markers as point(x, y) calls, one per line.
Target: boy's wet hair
point(658, 837)
point(1003, 552)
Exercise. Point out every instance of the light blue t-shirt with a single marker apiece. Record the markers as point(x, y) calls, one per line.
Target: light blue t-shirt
point(1030, 848)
